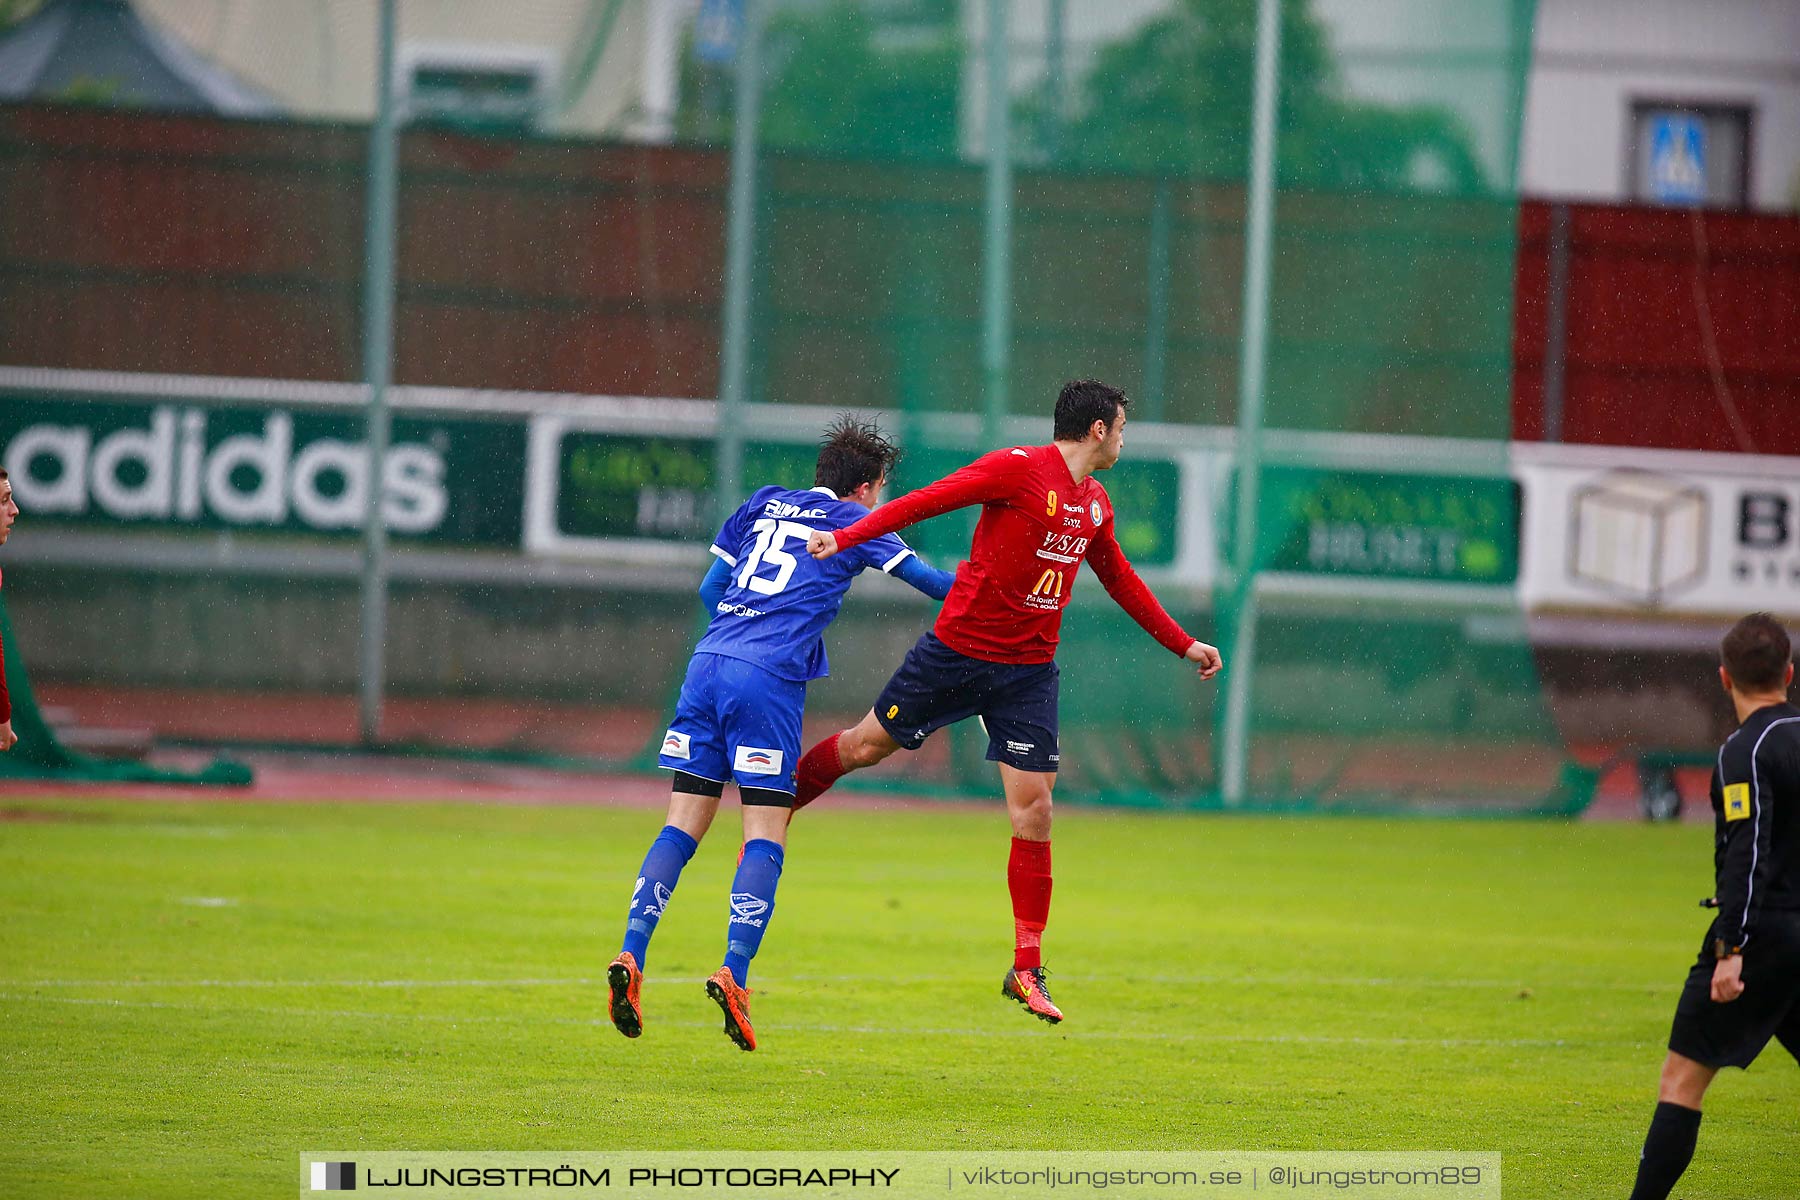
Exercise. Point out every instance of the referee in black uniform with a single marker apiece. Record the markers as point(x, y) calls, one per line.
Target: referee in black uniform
point(1745, 987)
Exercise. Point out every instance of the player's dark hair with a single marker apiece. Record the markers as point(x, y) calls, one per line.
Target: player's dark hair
point(1756, 653)
point(1084, 401)
point(853, 452)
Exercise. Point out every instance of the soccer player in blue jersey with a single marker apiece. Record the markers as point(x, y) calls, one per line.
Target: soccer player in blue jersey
point(738, 718)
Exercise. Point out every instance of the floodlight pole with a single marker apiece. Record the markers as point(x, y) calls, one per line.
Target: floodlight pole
point(740, 246)
point(1056, 21)
point(378, 348)
point(997, 245)
point(1234, 770)
point(1156, 329)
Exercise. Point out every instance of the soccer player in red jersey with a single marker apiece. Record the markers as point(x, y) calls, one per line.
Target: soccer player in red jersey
point(9, 512)
point(992, 652)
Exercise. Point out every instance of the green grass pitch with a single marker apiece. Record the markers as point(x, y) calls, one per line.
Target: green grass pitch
point(194, 993)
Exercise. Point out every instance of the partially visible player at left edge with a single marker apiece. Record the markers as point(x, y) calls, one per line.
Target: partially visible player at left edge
point(1744, 988)
point(738, 718)
point(9, 512)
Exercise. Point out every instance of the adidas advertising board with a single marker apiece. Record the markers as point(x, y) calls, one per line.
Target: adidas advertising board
point(1608, 530)
point(184, 463)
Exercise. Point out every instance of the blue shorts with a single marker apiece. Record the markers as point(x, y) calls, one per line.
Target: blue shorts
point(735, 723)
point(936, 687)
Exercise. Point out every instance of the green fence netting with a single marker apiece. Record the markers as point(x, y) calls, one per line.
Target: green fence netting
point(1389, 665)
point(563, 315)
point(40, 754)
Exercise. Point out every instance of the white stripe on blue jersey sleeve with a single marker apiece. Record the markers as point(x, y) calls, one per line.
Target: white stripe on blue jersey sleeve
point(730, 559)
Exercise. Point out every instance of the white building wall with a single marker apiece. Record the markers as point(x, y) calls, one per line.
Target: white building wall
point(318, 58)
point(1593, 58)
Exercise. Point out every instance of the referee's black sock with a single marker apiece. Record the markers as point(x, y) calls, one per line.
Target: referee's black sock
point(1668, 1148)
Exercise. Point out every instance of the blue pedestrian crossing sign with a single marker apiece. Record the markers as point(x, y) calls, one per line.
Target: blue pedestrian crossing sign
point(1677, 158)
point(717, 30)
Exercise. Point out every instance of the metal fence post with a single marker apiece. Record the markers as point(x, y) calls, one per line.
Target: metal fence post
point(1556, 325)
point(378, 348)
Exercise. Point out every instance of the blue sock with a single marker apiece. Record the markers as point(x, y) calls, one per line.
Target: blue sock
point(656, 883)
point(752, 904)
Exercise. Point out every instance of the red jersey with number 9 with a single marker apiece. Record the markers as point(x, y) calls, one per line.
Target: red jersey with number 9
point(5, 701)
point(1037, 527)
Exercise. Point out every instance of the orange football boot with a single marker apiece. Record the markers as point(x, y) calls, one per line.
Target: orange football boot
point(626, 979)
point(1028, 988)
point(734, 1002)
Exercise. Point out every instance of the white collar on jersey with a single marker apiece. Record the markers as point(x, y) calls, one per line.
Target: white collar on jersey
point(828, 492)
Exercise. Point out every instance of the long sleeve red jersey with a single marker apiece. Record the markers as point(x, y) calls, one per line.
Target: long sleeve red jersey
point(5, 701)
point(1037, 525)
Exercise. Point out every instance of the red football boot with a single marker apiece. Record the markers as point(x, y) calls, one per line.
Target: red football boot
point(1028, 988)
point(626, 980)
point(734, 1002)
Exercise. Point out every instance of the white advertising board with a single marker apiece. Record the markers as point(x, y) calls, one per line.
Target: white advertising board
point(1607, 531)
point(1658, 531)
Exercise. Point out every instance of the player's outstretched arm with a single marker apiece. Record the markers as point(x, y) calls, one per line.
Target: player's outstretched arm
point(7, 738)
point(716, 584)
point(925, 577)
point(1208, 658)
point(1124, 585)
point(990, 477)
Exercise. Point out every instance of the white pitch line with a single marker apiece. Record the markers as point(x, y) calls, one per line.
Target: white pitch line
point(312, 983)
point(1352, 981)
point(871, 1030)
point(1250, 981)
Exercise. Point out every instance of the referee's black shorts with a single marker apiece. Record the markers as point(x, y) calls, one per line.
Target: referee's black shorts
point(1733, 1034)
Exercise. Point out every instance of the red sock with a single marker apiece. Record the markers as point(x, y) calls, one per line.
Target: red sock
point(819, 768)
point(1028, 878)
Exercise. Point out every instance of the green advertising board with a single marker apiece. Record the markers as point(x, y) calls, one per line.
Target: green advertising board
point(618, 486)
point(621, 486)
point(1386, 525)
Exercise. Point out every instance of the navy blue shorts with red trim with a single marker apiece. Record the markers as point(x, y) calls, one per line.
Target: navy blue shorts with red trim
point(935, 686)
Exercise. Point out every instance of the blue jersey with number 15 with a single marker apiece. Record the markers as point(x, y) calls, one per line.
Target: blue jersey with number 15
point(781, 598)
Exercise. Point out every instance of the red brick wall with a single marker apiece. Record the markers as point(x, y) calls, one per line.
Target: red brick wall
point(1645, 287)
point(141, 242)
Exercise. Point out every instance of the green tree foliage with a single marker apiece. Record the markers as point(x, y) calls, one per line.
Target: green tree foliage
point(1175, 97)
point(14, 11)
point(843, 79)
point(884, 80)
point(846, 83)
